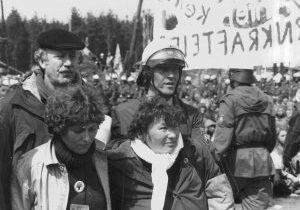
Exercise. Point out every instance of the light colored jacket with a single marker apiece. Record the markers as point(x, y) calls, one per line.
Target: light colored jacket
point(40, 182)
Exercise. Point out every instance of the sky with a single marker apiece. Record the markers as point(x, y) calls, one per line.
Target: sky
point(61, 9)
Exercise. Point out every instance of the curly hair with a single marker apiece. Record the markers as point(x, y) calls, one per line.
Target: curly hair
point(155, 109)
point(40, 55)
point(73, 105)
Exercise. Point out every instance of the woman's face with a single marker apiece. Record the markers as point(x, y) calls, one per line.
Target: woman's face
point(79, 138)
point(282, 136)
point(161, 138)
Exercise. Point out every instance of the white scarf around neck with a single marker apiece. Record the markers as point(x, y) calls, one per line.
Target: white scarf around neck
point(160, 164)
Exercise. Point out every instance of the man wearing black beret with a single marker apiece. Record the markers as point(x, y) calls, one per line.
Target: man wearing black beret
point(22, 126)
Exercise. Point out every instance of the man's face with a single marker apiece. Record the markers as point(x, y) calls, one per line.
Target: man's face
point(165, 78)
point(60, 67)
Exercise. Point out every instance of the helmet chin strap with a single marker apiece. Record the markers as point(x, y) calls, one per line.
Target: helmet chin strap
point(231, 84)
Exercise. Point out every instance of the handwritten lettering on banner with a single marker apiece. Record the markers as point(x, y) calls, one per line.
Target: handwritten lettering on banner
point(227, 33)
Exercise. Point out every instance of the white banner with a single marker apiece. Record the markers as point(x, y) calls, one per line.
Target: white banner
point(232, 33)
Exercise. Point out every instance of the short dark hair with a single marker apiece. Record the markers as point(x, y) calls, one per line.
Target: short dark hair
point(145, 77)
point(155, 109)
point(73, 105)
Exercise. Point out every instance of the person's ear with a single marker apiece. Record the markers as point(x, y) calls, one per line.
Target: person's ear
point(42, 63)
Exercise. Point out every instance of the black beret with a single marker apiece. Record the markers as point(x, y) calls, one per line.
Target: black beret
point(59, 39)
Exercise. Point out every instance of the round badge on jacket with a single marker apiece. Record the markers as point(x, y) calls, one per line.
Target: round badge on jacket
point(79, 186)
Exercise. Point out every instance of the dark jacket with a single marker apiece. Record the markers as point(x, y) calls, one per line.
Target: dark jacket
point(245, 132)
point(292, 143)
point(195, 181)
point(123, 115)
point(22, 128)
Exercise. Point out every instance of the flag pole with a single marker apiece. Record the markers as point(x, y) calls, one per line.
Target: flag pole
point(3, 37)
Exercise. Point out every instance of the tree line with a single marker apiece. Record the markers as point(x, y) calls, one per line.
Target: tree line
point(103, 33)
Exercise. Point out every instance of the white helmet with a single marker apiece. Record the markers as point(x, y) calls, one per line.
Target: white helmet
point(95, 77)
point(107, 77)
point(206, 77)
point(188, 78)
point(114, 76)
point(123, 77)
point(161, 51)
point(212, 77)
point(130, 79)
point(297, 74)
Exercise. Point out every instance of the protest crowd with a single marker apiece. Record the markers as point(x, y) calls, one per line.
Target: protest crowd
point(78, 133)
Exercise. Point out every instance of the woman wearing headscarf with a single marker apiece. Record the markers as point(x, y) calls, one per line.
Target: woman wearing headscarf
point(66, 172)
point(157, 169)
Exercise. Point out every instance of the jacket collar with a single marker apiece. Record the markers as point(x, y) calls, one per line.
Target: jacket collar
point(100, 161)
point(49, 154)
point(27, 97)
point(125, 160)
point(30, 85)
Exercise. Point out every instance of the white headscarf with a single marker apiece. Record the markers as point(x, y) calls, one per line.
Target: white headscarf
point(160, 164)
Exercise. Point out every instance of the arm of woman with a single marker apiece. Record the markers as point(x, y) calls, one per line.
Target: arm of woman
point(219, 193)
point(217, 187)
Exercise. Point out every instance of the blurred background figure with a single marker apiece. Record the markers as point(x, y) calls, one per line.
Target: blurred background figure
point(210, 127)
point(4, 89)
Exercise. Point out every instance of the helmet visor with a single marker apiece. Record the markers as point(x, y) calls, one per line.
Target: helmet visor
point(167, 56)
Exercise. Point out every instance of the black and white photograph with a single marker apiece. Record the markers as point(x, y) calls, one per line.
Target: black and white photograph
point(150, 105)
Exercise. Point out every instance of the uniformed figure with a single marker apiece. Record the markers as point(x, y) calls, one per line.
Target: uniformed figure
point(162, 64)
point(244, 137)
point(22, 125)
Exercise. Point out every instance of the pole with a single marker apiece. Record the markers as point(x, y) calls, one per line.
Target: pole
point(4, 33)
point(133, 38)
point(70, 24)
point(3, 21)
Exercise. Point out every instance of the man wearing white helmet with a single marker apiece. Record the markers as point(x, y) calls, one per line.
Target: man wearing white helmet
point(162, 65)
